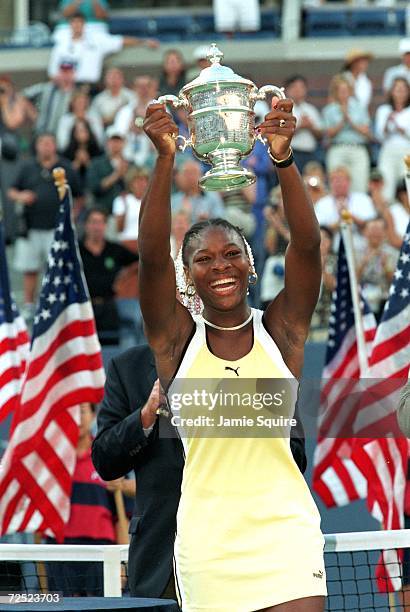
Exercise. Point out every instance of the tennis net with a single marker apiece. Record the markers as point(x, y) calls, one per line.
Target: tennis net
point(81, 570)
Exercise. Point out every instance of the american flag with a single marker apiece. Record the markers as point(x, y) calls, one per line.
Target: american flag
point(14, 341)
point(384, 460)
point(64, 369)
point(336, 478)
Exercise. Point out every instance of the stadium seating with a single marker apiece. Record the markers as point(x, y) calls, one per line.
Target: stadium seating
point(354, 21)
point(320, 22)
point(178, 27)
point(374, 22)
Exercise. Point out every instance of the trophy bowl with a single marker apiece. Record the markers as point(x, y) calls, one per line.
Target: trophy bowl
point(221, 121)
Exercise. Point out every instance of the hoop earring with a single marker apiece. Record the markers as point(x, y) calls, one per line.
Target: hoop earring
point(252, 278)
point(190, 290)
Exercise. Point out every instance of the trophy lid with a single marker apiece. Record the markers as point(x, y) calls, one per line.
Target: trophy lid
point(215, 73)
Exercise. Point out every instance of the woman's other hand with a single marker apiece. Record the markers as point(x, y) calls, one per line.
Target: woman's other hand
point(161, 128)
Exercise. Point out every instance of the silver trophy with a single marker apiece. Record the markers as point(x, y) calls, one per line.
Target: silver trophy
point(221, 121)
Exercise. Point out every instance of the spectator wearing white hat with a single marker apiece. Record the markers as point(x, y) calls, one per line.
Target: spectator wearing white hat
point(401, 70)
point(200, 56)
point(355, 69)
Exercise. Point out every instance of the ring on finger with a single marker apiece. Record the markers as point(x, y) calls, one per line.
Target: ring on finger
point(282, 123)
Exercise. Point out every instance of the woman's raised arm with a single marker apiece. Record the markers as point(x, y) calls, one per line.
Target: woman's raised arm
point(167, 322)
point(288, 316)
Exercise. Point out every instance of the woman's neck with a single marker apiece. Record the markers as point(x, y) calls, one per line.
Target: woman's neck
point(230, 318)
point(398, 106)
point(95, 246)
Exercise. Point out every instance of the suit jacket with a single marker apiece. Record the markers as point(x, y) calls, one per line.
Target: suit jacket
point(121, 445)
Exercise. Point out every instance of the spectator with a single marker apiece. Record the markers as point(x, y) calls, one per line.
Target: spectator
point(180, 224)
point(355, 70)
point(138, 149)
point(87, 52)
point(14, 111)
point(260, 163)
point(347, 126)
point(238, 205)
point(95, 13)
point(392, 129)
point(376, 191)
point(276, 242)
point(329, 208)
point(200, 56)
point(92, 519)
point(145, 90)
point(315, 181)
point(126, 207)
point(52, 99)
point(102, 261)
point(34, 188)
point(173, 76)
point(376, 262)
point(396, 216)
point(107, 103)
point(400, 212)
point(190, 198)
point(237, 15)
point(308, 122)
point(320, 317)
point(79, 111)
point(82, 148)
point(401, 70)
point(106, 174)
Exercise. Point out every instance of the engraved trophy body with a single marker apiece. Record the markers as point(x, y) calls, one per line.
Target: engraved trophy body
point(221, 122)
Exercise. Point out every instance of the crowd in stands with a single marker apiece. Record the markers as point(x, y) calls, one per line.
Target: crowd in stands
point(89, 122)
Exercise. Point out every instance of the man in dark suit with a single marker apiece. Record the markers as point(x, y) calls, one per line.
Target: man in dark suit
point(122, 444)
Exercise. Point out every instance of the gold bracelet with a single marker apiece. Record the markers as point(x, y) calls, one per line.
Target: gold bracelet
point(280, 161)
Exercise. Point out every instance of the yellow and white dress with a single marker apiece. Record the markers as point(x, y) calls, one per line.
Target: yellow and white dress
point(248, 531)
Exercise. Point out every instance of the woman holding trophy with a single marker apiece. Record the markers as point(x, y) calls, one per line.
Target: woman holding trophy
point(248, 531)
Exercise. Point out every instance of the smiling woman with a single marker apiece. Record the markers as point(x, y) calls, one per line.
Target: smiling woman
point(259, 513)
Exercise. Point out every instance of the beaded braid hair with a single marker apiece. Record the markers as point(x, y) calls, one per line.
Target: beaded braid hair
point(188, 295)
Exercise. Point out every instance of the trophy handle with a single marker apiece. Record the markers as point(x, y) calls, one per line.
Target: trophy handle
point(260, 94)
point(175, 101)
point(186, 142)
